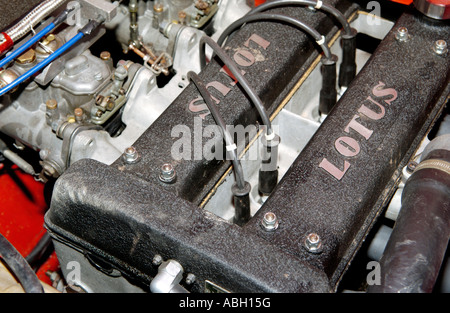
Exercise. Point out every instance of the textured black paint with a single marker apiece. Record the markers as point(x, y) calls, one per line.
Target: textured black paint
point(341, 212)
point(123, 214)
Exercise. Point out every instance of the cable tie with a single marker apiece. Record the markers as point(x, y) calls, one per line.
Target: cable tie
point(321, 41)
point(231, 147)
point(319, 4)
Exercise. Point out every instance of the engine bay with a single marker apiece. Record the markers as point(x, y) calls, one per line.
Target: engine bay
point(225, 146)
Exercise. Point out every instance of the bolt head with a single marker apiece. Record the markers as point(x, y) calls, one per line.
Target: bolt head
point(158, 8)
point(48, 169)
point(269, 221)
point(402, 34)
point(78, 112)
point(105, 55)
point(157, 260)
point(313, 243)
point(167, 173)
point(190, 279)
point(440, 47)
point(411, 167)
point(120, 73)
point(28, 57)
point(130, 155)
point(51, 104)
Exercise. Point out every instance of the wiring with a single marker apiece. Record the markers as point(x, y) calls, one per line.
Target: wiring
point(347, 69)
point(219, 120)
point(319, 5)
point(320, 40)
point(237, 73)
point(19, 266)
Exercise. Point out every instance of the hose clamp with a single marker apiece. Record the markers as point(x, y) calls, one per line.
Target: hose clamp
point(440, 165)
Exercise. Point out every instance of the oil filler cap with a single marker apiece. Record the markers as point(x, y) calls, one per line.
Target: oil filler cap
point(437, 9)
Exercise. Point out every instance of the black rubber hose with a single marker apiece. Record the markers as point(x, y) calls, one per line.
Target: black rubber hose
point(223, 127)
point(416, 249)
point(39, 250)
point(237, 73)
point(19, 266)
point(320, 40)
point(316, 4)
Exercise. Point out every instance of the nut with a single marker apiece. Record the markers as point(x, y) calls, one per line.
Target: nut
point(26, 58)
point(167, 173)
point(158, 8)
point(157, 260)
point(269, 221)
point(79, 114)
point(48, 169)
point(201, 5)
point(130, 155)
point(190, 279)
point(105, 55)
point(402, 34)
point(51, 104)
point(440, 47)
point(110, 104)
point(313, 243)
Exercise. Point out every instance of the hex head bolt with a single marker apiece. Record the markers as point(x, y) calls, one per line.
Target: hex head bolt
point(167, 173)
point(440, 47)
point(402, 34)
point(313, 243)
point(130, 155)
point(269, 222)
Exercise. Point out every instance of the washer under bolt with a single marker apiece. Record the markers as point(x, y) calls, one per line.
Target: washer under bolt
point(313, 243)
point(440, 47)
point(167, 173)
point(269, 221)
point(130, 155)
point(402, 34)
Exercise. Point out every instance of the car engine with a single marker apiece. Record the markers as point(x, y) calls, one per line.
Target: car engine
point(225, 146)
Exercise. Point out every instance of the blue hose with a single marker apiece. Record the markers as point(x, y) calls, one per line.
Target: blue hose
point(27, 45)
point(42, 64)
